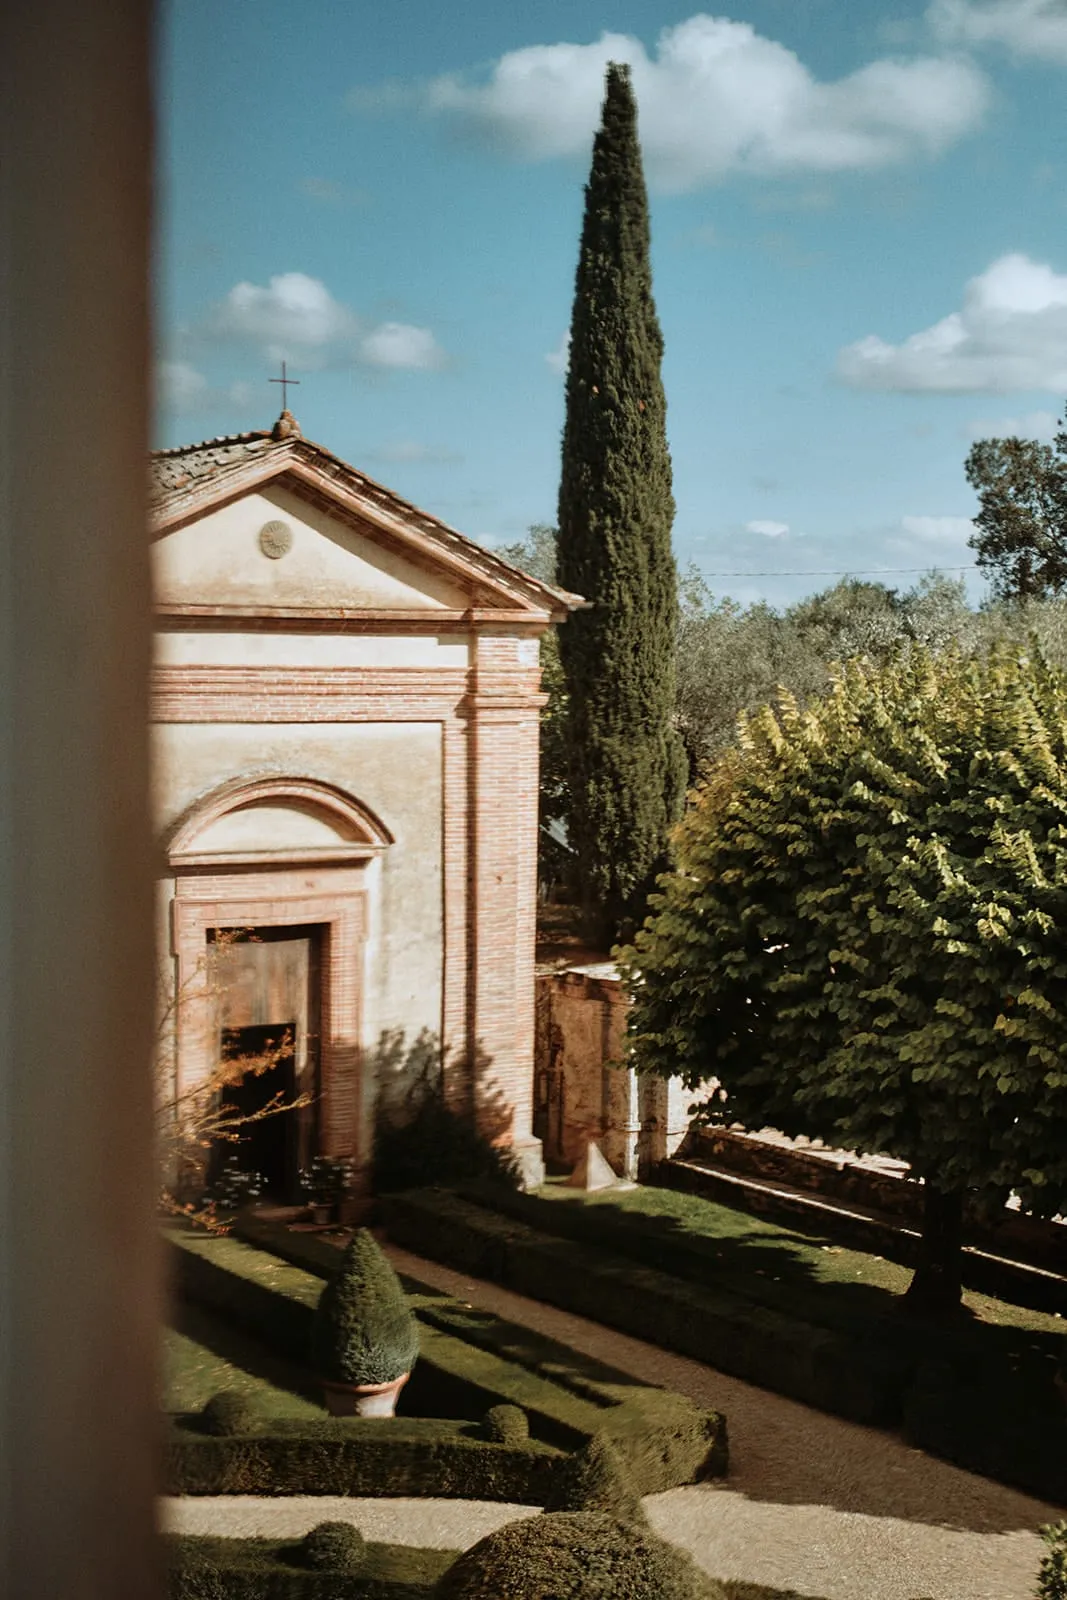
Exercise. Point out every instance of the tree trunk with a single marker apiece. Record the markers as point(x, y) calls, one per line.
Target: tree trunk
point(937, 1289)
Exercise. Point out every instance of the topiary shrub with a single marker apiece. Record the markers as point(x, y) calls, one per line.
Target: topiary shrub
point(595, 1479)
point(364, 1331)
point(336, 1546)
point(1052, 1574)
point(228, 1413)
point(575, 1555)
point(506, 1425)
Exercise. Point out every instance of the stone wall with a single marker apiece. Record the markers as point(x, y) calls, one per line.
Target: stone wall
point(636, 1119)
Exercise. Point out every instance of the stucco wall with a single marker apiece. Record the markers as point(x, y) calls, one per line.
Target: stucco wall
point(217, 560)
point(247, 649)
point(395, 770)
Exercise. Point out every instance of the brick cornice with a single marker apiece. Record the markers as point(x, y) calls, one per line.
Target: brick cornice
point(188, 693)
point(178, 616)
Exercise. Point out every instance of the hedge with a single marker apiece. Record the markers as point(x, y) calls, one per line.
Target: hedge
point(412, 1457)
point(820, 1366)
point(260, 1569)
point(994, 1410)
point(470, 1362)
point(266, 1569)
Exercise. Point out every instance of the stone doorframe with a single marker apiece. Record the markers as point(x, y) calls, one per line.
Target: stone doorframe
point(328, 889)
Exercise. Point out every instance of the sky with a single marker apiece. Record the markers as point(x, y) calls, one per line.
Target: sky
point(859, 250)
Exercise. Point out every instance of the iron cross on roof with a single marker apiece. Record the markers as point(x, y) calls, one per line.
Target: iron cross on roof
point(285, 381)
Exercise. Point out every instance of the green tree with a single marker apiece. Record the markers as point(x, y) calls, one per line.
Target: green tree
point(863, 940)
point(625, 758)
point(1021, 528)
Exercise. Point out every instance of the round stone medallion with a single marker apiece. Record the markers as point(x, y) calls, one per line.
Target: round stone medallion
point(275, 539)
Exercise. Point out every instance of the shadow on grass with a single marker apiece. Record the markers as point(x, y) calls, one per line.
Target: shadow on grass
point(253, 1365)
point(806, 1276)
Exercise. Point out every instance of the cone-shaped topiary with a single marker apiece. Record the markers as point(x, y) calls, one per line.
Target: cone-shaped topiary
point(595, 1479)
point(575, 1555)
point(228, 1413)
point(334, 1546)
point(506, 1425)
point(364, 1331)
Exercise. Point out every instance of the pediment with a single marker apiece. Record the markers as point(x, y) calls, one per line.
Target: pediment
point(248, 525)
point(274, 548)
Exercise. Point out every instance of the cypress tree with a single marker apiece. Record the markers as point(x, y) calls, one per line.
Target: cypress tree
point(626, 760)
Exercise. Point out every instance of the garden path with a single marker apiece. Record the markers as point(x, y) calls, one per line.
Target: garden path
point(812, 1502)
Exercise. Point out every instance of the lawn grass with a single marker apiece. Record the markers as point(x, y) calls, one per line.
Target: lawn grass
point(203, 1354)
point(750, 1251)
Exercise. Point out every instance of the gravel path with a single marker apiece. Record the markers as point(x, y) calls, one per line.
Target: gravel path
point(812, 1502)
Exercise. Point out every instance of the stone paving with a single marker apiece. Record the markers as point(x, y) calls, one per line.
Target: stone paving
point(814, 1503)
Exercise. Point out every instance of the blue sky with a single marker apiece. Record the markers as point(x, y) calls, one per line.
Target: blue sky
point(859, 222)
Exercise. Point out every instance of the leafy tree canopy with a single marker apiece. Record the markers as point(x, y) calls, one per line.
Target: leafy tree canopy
point(1021, 527)
point(863, 939)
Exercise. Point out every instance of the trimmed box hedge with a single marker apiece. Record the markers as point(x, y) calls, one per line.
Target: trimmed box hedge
point(993, 1409)
point(470, 1361)
point(262, 1569)
point(412, 1457)
point(821, 1366)
point(266, 1569)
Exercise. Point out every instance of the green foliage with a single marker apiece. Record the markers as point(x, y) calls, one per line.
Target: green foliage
point(626, 761)
point(1021, 526)
point(506, 1424)
point(595, 1479)
point(364, 1331)
point(212, 1568)
point(229, 1414)
point(863, 939)
point(583, 1555)
point(334, 1545)
point(410, 1457)
point(1052, 1575)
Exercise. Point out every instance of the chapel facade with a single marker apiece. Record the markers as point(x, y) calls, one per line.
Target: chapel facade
point(346, 699)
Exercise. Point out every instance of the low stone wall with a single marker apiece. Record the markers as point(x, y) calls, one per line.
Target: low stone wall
point(637, 1119)
point(877, 1183)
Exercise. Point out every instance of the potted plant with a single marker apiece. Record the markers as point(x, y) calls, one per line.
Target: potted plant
point(325, 1183)
point(364, 1337)
point(234, 1188)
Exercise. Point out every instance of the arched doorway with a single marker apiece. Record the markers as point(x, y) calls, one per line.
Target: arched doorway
point(273, 880)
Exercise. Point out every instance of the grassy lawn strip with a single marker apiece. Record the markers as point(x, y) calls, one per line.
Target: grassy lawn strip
point(979, 1393)
point(469, 1361)
point(696, 1239)
point(263, 1569)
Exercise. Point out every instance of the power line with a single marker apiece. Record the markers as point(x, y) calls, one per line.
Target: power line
point(840, 572)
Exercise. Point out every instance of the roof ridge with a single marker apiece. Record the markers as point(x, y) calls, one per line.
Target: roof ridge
point(207, 444)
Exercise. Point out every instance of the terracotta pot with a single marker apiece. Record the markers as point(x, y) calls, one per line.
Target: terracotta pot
point(363, 1399)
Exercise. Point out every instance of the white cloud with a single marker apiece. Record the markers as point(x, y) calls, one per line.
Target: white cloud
point(1010, 334)
point(411, 450)
point(295, 318)
point(716, 97)
point(398, 344)
point(181, 389)
point(179, 386)
point(1040, 425)
point(1027, 27)
point(938, 530)
point(559, 358)
point(770, 530)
